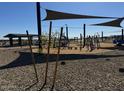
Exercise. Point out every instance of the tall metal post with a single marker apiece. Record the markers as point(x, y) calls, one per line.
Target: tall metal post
point(11, 41)
point(39, 24)
point(32, 55)
point(80, 42)
point(67, 34)
point(102, 36)
point(122, 34)
point(47, 56)
point(19, 41)
point(48, 51)
point(84, 35)
point(57, 59)
point(54, 43)
point(67, 31)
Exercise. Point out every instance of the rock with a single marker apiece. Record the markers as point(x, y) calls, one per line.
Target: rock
point(63, 63)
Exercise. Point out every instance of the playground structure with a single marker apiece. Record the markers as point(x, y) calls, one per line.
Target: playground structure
point(119, 41)
point(62, 41)
point(91, 42)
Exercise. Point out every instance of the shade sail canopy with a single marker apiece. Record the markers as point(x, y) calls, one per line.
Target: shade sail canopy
point(113, 23)
point(55, 15)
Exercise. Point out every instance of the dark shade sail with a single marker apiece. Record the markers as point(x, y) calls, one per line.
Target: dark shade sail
point(113, 23)
point(55, 15)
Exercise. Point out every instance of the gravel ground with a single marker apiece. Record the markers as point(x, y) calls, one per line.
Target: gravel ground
point(82, 75)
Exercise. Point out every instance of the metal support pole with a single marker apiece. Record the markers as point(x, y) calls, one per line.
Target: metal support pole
point(31, 40)
point(32, 55)
point(80, 42)
point(122, 34)
point(102, 36)
point(11, 41)
point(57, 59)
point(19, 41)
point(54, 43)
point(48, 51)
point(84, 35)
point(47, 57)
point(39, 25)
point(67, 31)
point(67, 34)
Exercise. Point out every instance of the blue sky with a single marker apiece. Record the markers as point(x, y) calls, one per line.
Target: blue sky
point(19, 17)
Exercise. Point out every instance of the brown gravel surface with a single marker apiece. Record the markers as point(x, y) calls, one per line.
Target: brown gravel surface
point(89, 73)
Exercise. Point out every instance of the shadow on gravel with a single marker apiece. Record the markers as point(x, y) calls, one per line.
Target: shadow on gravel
point(25, 58)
